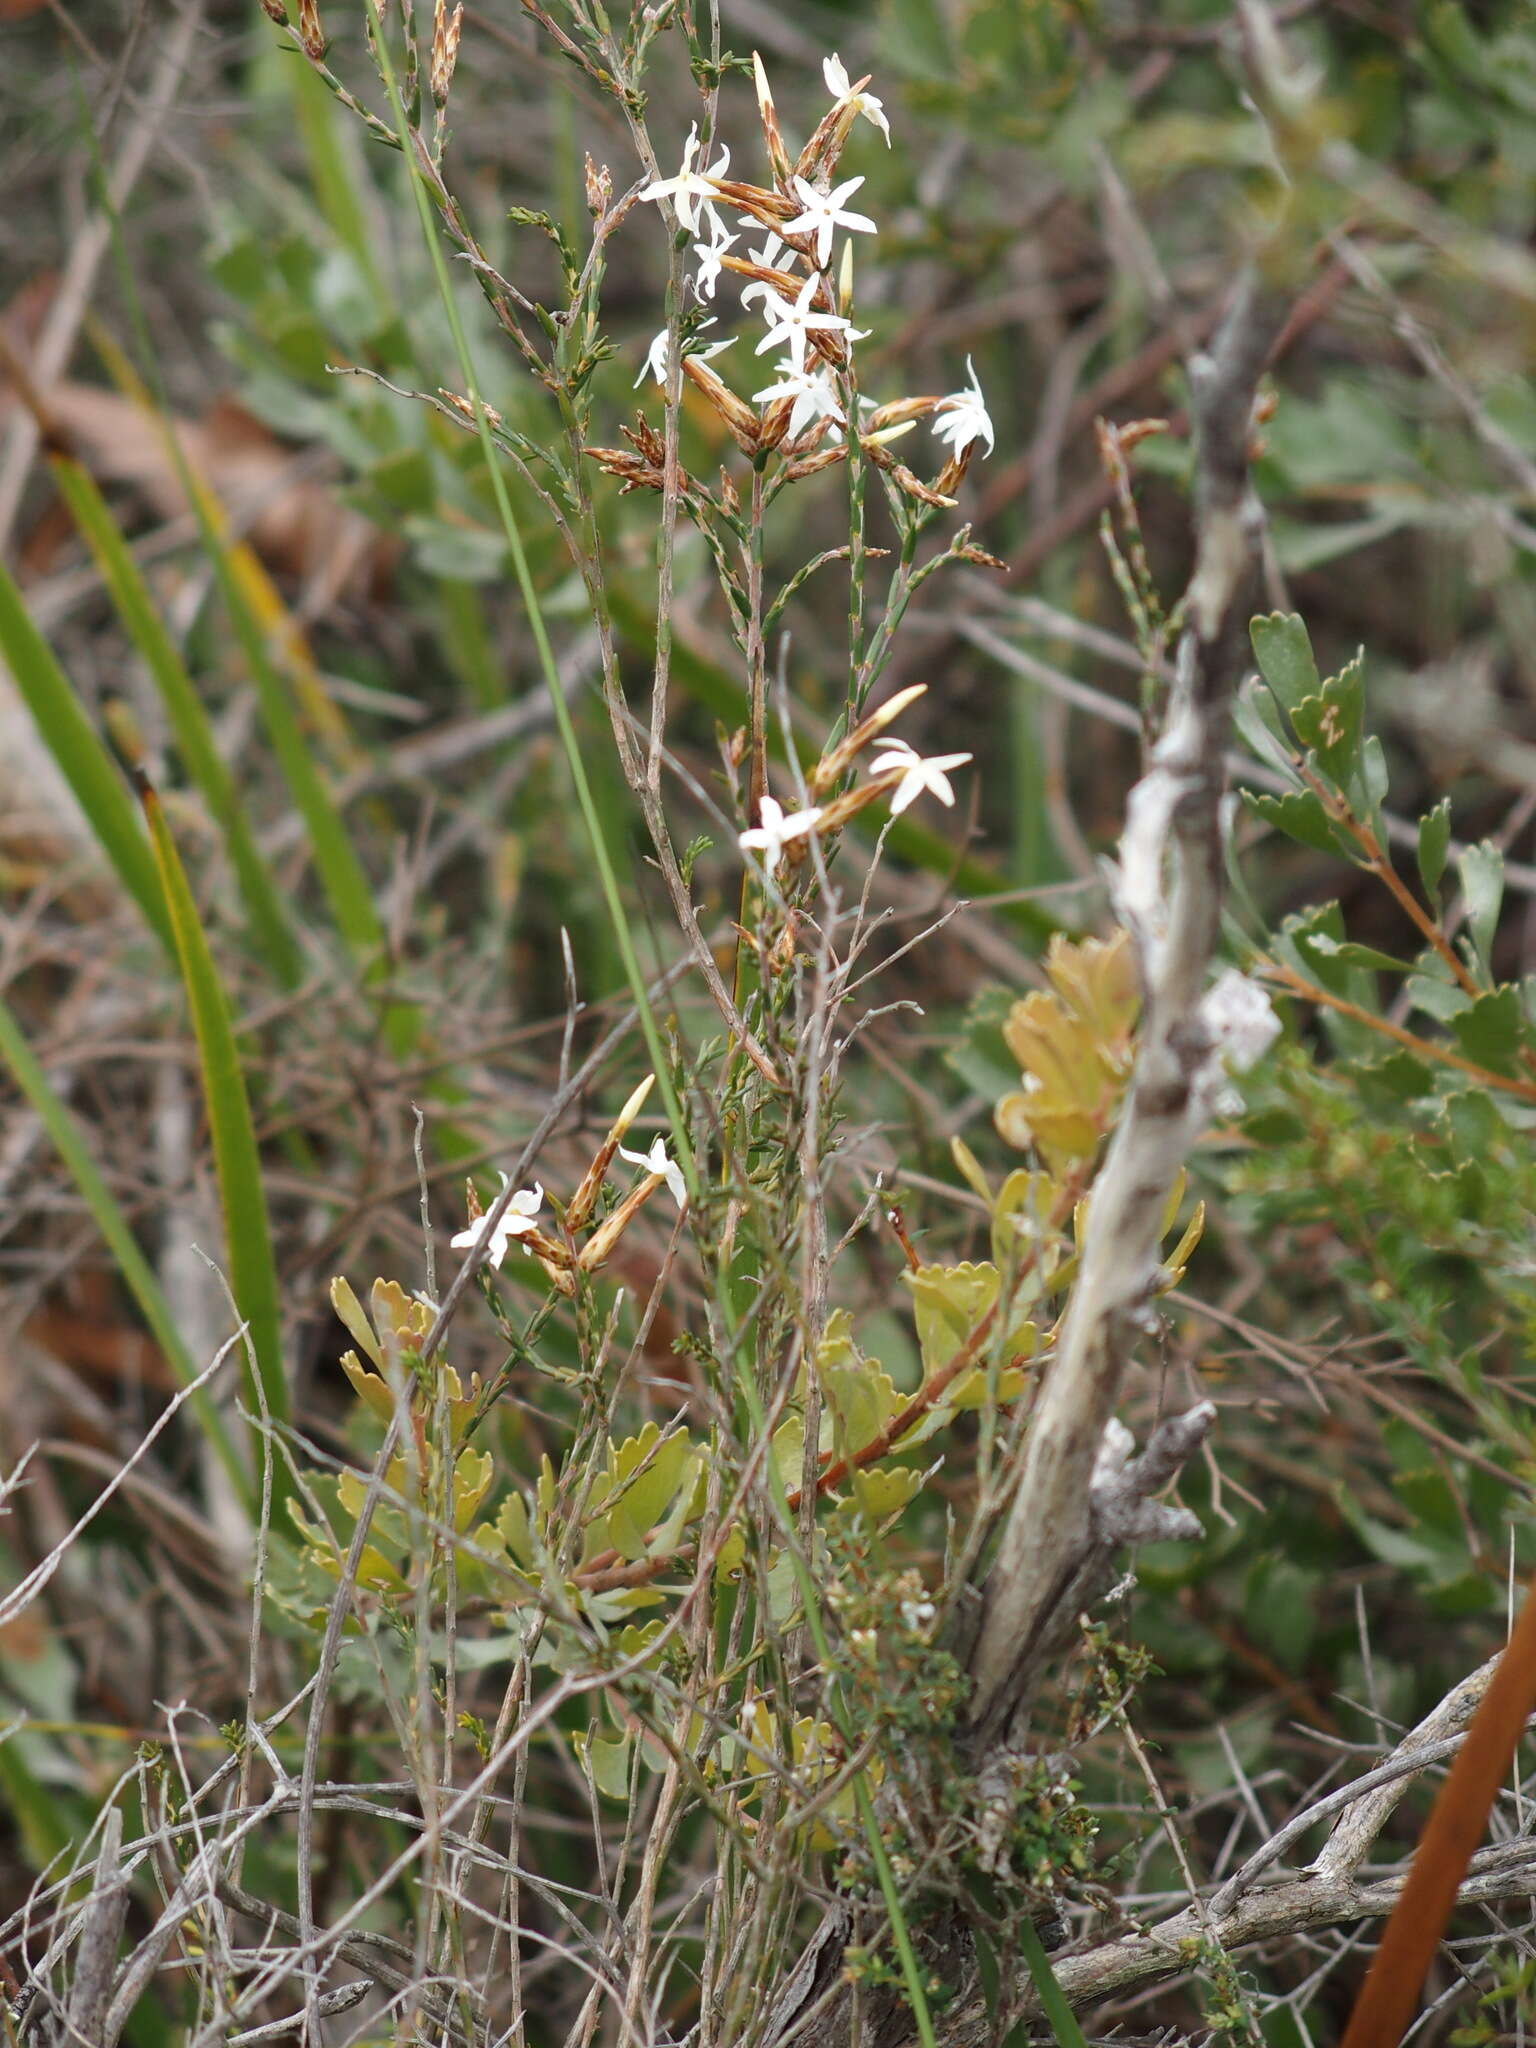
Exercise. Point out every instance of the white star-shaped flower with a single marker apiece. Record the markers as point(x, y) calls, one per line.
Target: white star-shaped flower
point(918, 774)
point(776, 830)
point(824, 212)
point(963, 417)
point(658, 1162)
point(840, 85)
point(814, 393)
point(516, 1221)
point(656, 355)
point(709, 254)
point(768, 258)
point(791, 322)
point(691, 189)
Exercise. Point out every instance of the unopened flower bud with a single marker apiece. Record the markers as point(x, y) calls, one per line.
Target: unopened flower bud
point(446, 29)
point(311, 34)
point(599, 188)
point(581, 1203)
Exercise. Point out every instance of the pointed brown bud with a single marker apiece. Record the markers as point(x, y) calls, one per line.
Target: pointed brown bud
point(778, 155)
point(446, 29)
point(599, 187)
point(735, 412)
point(586, 1195)
point(834, 766)
point(311, 34)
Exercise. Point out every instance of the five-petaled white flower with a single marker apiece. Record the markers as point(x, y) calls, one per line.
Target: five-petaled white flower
point(691, 189)
point(768, 258)
point(791, 322)
point(824, 212)
point(657, 1161)
point(709, 254)
point(516, 1220)
point(840, 85)
point(917, 774)
point(775, 831)
point(963, 418)
point(656, 355)
point(814, 393)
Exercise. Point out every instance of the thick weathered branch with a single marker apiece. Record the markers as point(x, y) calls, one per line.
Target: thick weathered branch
point(1050, 1533)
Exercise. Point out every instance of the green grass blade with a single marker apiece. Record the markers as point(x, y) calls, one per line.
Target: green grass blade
point(70, 1144)
point(341, 872)
point(1053, 2000)
point(237, 1162)
point(81, 755)
point(189, 721)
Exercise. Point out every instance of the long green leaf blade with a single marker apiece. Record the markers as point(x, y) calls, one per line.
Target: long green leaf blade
point(82, 757)
point(237, 1162)
point(189, 721)
point(70, 1144)
point(1053, 2000)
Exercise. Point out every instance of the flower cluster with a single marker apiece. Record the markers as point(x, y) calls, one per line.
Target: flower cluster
point(897, 770)
point(513, 1216)
point(790, 280)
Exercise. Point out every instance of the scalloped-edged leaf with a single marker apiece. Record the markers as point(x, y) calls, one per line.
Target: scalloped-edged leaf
point(1490, 1030)
point(1299, 815)
point(1284, 654)
point(646, 1473)
point(948, 1302)
point(1436, 997)
point(883, 1491)
point(1434, 845)
point(369, 1387)
point(473, 1472)
point(1482, 881)
point(1296, 942)
point(1329, 722)
point(860, 1395)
